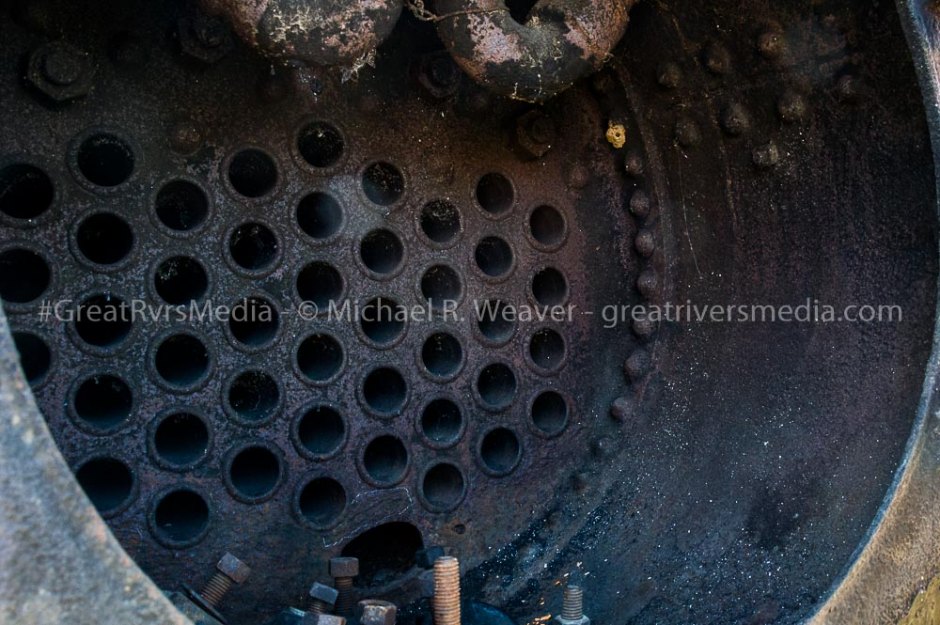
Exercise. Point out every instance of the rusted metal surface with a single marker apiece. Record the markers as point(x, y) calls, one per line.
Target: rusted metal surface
point(535, 56)
point(325, 32)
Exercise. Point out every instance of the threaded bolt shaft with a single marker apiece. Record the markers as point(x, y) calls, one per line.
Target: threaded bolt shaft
point(446, 591)
point(216, 588)
point(318, 607)
point(345, 601)
point(572, 607)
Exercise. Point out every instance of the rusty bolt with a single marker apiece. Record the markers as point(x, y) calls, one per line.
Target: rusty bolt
point(343, 570)
point(438, 75)
point(322, 598)
point(60, 71)
point(535, 133)
point(204, 38)
point(572, 607)
point(377, 612)
point(229, 571)
point(446, 601)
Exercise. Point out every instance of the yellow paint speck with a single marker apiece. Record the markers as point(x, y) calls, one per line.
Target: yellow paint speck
point(616, 135)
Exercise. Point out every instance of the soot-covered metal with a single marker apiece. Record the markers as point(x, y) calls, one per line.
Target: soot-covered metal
point(679, 472)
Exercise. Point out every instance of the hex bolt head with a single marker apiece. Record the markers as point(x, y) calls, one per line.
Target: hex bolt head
point(233, 568)
point(60, 71)
point(344, 567)
point(377, 612)
point(438, 75)
point(324, 594)
point(535, 133)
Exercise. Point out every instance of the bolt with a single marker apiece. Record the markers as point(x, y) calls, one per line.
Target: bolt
point(344, 570)
point(438, 75)
point(446, 601)
point(60, 71)
point(377, 612)
point(572, 608)
point(229, 571)
point(535, 133)
point(322, 598)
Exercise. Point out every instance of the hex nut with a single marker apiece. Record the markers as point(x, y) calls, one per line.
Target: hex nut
point(535, 132)
point(233, 568)
point(344, 567)
point(438, 75)
point(204, 38)
point(324, 593)
point(60, 71)
point(377, 612)
point(563, 621)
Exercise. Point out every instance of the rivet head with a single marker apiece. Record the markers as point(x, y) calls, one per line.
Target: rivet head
point(578, 176)
point(637, 365)
point(645, 243)
point(766, 156)
point(792, 107)
point(668, 75)
point(640, 203)
point(771, 44)
point(633, 164)
point(717, 59)
point(621, 410)
point(688, 134)
point(735, 119)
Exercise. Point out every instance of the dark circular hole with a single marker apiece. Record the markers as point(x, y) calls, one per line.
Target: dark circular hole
point(253, 246)
point(500, 451)
point(441, 421)
point(442, 354)
point(493, 256)
point(497, 385)
point(103, 320)
point(383, 183)
point(254, 472)
point(547, 349)
point(382, 320)
point(320, 283)
point(550, 412)
point(26, 191)
point(381, 251)
point(440, 221)
point(496, 320)
point(35, 356)
point(181, 516)
point(181, 439)
point(105, 160)
point(385, 552)
point(322, 501)
point(252, 173)
point(550, 287)
point(103, 402)
point(254, 322)
point(385, 390)
point(24, 276)
point(321, 431)
point(182, 360)
point(319, 357)
point(385, 459)
point(254, 396)
point(319, 215)
point(182, 205)
point(180, 280)
point(547, 225)
point(495, 194)
point(443, 486)
point(107, 482)
point(440, 286)
point(320, 144)
point(104, 238)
